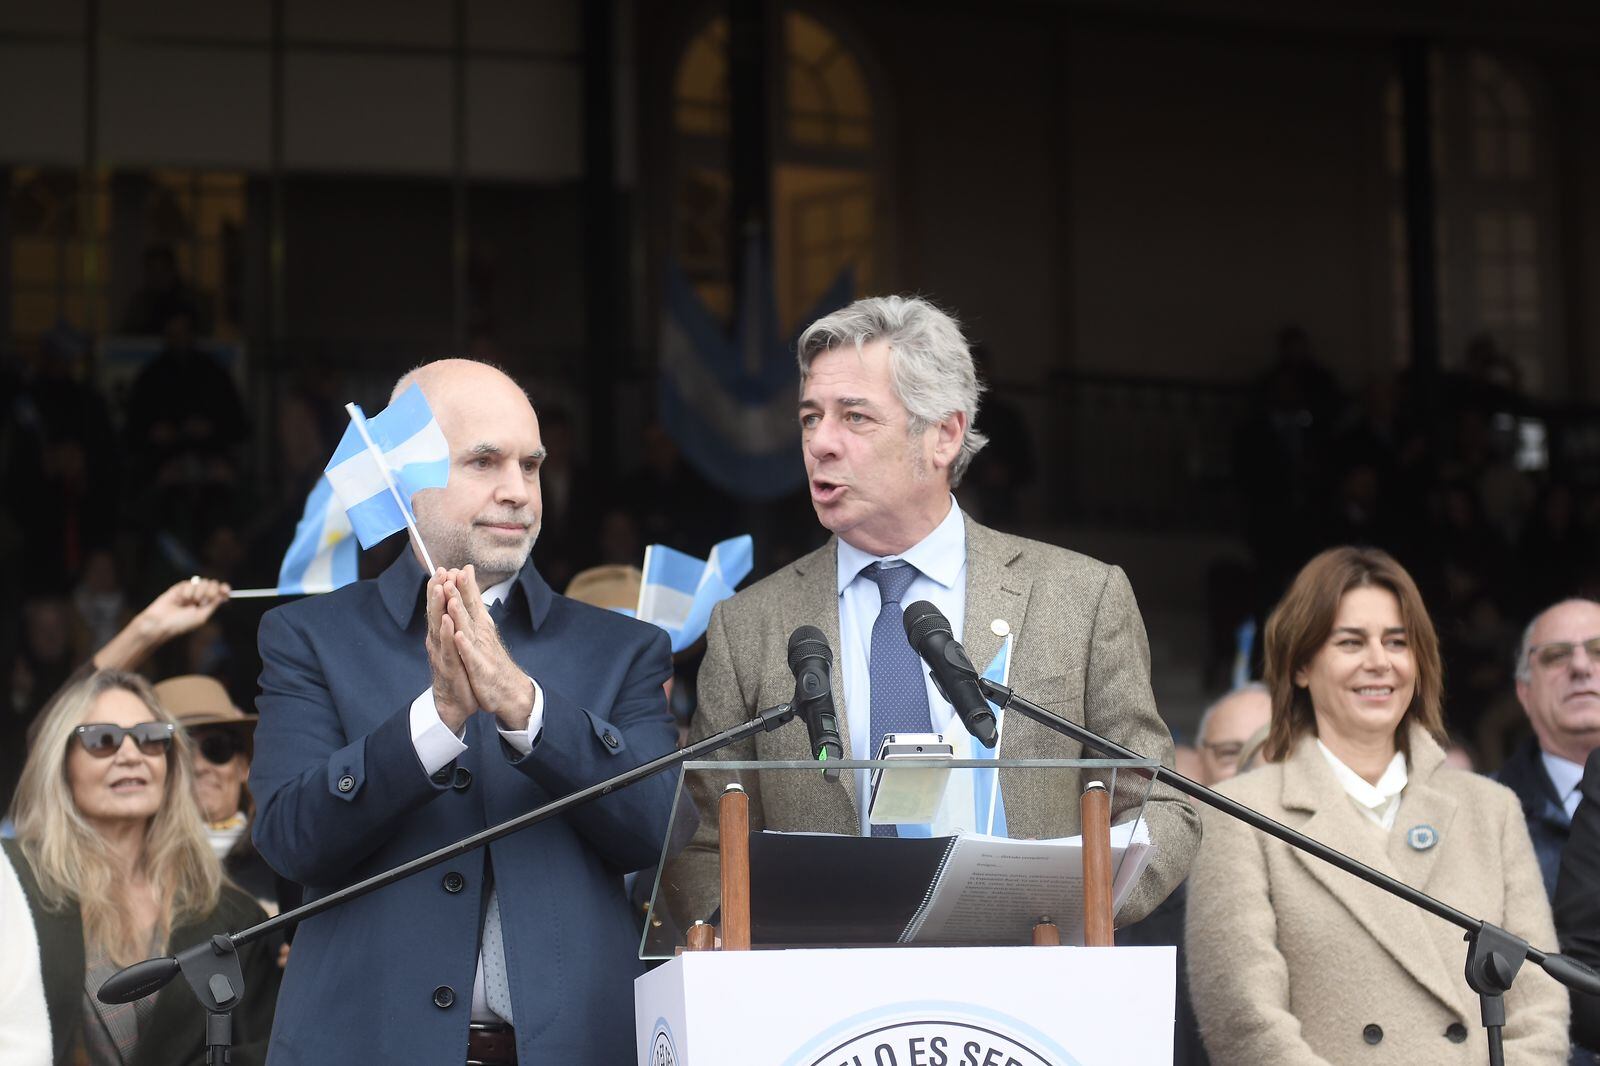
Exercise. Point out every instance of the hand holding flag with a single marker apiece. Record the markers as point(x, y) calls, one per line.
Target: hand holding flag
point(366, 492)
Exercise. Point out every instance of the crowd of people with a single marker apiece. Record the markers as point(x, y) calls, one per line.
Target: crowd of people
point(404, 712)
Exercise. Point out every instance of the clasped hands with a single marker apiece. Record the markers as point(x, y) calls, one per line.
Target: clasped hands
point(471, 668)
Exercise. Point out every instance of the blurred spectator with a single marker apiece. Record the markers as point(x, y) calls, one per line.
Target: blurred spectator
point(1005, 467)
point(185, 416)
point(1558, 685)
point(99, 600)
point(113, 859)
point(163, 293)
point(221, 740)
point(61, 462)
point(1227, 726)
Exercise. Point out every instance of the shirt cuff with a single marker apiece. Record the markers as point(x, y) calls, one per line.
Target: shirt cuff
point(436, 746)
point(523, 739)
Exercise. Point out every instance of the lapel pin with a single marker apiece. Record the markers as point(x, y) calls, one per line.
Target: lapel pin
point(1422, 837)
point(1000, 627)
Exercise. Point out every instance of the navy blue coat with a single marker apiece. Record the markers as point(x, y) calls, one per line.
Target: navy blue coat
point(1548, 823)
point(341, 795)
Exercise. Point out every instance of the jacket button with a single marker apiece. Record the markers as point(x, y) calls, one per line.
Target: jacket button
point(610, 739)
point(453, 882)
point(1373, 1033)
point(443, 997)
point(346, 783)
point(463, 779)
point(1456, 1033)
point(440, 777)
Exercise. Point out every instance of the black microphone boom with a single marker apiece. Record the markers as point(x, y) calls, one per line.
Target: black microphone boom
point(929, 632)
point(811, 660)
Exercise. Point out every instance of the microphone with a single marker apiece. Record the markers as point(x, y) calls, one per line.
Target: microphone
point(810, 659)
point(929, 632)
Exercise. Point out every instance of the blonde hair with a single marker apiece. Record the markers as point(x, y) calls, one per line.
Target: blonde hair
point(74, 864)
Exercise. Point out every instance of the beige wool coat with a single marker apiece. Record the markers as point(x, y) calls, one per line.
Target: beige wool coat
point(1080, 651)
point(1293, 962)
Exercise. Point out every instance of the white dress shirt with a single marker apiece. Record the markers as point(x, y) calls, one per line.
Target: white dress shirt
point(1566, 775)
point(437, 746)
point(941, 562)
point(1379, 802)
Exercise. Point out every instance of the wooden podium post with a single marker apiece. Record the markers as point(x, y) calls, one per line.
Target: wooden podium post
point(734, 845)
point(1096, 813)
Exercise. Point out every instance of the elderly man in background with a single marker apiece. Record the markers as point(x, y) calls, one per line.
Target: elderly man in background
point(1227, 727)
point(1558, 685)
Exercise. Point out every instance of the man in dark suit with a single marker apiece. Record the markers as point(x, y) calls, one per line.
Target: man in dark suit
point(399, 715)
point(1577, 904)
point(1558, 685)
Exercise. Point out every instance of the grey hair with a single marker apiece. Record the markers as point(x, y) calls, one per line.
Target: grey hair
point(1524, 668)
point(1205, 719)
point(929, 362)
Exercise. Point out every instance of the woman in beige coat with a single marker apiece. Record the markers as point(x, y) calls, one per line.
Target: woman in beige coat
point(1294, 962)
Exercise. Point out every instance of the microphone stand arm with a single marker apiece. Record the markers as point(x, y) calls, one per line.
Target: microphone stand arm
point(1493, 955)
point(212, 967)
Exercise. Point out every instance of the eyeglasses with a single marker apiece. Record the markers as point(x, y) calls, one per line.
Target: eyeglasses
point(1558, 653)
point(103, 740)
point(1226, 752)
point(217, 746)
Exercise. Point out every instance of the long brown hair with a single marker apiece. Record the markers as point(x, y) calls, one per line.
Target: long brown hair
point(1302, 621)
point(70, 859)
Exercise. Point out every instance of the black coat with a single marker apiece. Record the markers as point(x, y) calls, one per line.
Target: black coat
point(1577, 903)
point(175, 1033)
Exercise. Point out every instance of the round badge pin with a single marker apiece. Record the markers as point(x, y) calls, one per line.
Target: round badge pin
point(1422, 837)
point(1000, 627)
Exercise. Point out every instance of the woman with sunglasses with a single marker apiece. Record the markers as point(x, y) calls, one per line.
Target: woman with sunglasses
point(1295, 963)
point(115, 866)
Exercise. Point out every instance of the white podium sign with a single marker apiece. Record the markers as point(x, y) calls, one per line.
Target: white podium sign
point(1015, 1006)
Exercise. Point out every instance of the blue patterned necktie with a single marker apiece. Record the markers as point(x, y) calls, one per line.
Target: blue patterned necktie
point(894, 672)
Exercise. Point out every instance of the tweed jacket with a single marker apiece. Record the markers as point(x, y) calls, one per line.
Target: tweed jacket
point(175, 1033)
point(1079, 650)
point(1293, 962)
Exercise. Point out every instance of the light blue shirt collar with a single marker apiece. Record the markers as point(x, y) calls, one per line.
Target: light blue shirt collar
point(939, 556)
point(1567, 776)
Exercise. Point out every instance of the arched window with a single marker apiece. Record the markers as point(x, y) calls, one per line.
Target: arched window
point(823, 171)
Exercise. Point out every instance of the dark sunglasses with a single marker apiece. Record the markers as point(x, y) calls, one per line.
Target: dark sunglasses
point(217, 745)
point(103, 740)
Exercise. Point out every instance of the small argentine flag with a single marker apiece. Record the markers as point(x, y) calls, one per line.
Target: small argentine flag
point(991, 807)
point(678, 590)
point(323, 556)
point(415, 456)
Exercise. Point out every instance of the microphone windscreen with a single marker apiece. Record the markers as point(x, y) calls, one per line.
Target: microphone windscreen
point(806, 642)
point(922, 619)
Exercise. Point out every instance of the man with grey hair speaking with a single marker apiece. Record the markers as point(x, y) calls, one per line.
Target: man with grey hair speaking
point(888, 403)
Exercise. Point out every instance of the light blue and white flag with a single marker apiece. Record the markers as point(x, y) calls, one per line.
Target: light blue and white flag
point(375, 473)
point(323, 556)
point(678, 590)
point(991, 807)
